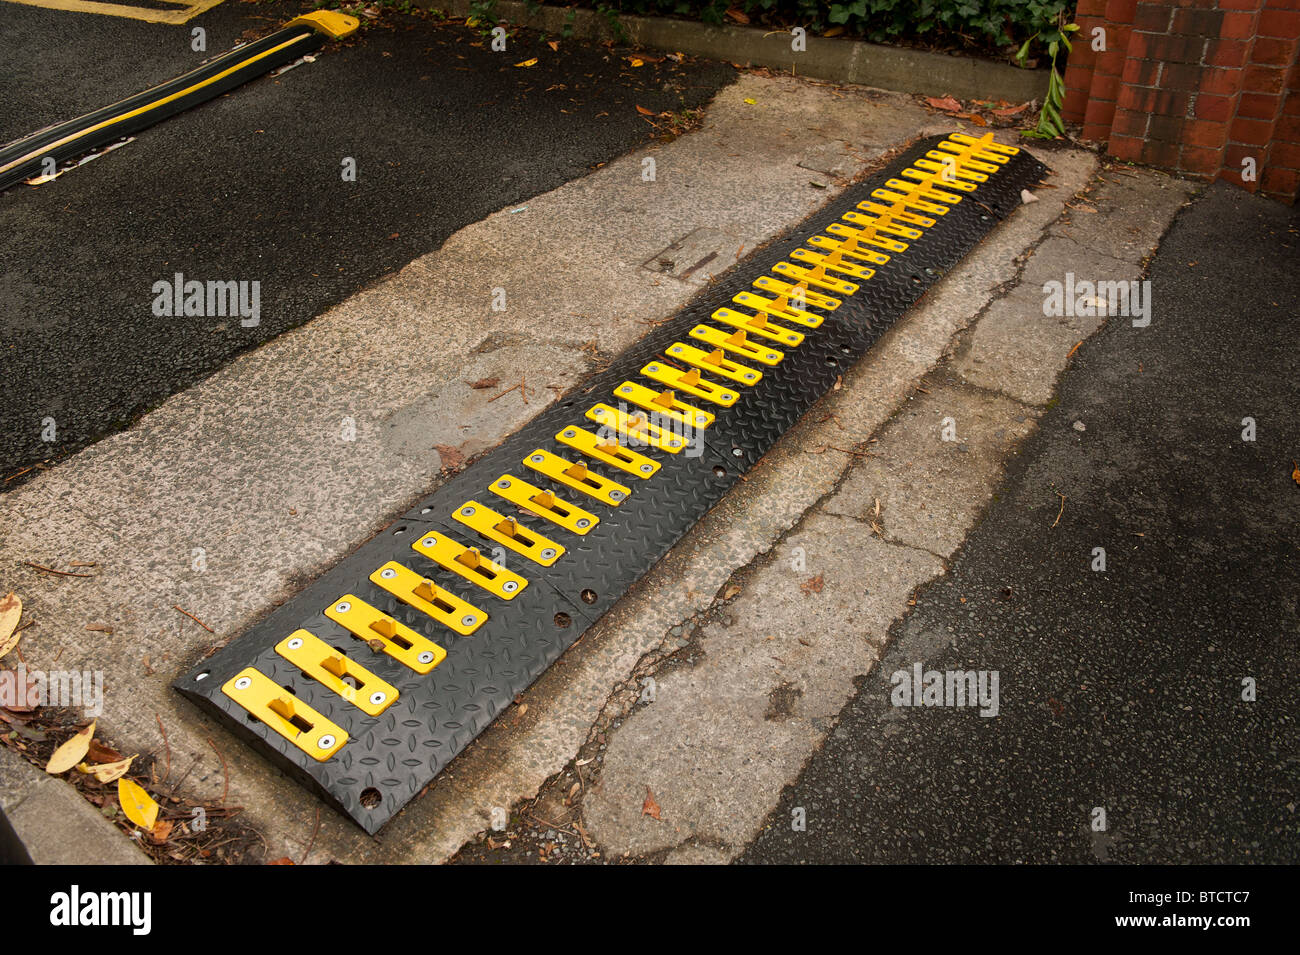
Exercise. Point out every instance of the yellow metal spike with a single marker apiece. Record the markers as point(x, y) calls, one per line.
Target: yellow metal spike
point(336, 664)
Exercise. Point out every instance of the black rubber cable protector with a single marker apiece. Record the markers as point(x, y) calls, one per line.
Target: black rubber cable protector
point(38, 144)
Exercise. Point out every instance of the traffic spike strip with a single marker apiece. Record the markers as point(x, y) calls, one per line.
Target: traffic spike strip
point(406, 650)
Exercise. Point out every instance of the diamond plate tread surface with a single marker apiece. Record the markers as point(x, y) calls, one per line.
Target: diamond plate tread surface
point(390, 758)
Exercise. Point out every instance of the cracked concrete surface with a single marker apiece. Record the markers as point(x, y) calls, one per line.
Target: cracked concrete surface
point(726, 733)
point(225, 498)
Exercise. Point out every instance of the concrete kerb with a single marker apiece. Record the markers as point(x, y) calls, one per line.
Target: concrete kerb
point(838, 59)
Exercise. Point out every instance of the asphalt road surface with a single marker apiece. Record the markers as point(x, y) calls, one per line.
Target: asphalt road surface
point(1123, 689)
point(249, 187)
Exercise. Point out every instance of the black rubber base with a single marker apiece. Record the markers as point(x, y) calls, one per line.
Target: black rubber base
point(389, 759)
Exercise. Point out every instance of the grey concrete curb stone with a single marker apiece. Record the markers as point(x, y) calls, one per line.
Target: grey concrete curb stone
point(55, 823)
point(840, 60)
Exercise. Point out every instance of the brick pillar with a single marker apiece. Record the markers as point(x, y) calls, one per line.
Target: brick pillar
point(1260, 128)
point(1194, 86)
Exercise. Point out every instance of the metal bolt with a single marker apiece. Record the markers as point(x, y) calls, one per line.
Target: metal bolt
point(295, 643)
point(503, 483)
point(425, 657)
point(626, 389)
point(468, 620)
point(388, 573)
point(243, 683)
point(651, 367)
point(737, 452)
point(674, 443)
point(700, 419)
point(378, 697)
point(748, 376)
point(583, 522)
point(428, 542)
point(771, 356)
point(547, 553)
point(675, 350)
point(343, 607)
point(467, 511)
point(537, 458)
point(616, 495)
point(647, 468)
point(570, 433)
point(325, 742)
point(510, 586)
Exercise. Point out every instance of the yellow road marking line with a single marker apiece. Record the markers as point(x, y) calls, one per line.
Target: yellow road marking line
point(187, 12)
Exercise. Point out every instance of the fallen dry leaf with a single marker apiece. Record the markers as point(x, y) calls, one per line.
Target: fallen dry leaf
point(740, 16)
point(137, 804)
point(532, 62)
point(283, 860)
point(650, 807)
point(107, 772)
point(99, 628)
point(451, 457)
point(11, 611)
point(645, 112)
point(813, 585)
point(945, 103)
point(160, 831)
point(1295, 476)
point(71, 752)
point(485, 383)
point(730, 592)
point(554, 45)
point(1011, 110)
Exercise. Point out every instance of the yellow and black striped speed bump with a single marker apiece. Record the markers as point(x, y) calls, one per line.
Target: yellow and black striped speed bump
point(372, 679)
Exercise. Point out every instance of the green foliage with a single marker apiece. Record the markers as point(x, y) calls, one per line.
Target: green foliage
point(1056, 37)
point(986, 24)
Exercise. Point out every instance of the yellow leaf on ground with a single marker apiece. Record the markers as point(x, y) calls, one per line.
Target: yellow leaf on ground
point(1295, 476)
point(11, 611)
point(532, 62)
point(71, 752)
point(107, 772)
point(751, 102)
point(137, 804)
point(638, 62)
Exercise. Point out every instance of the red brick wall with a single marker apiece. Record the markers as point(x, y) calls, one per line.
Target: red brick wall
point(1207, 88)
